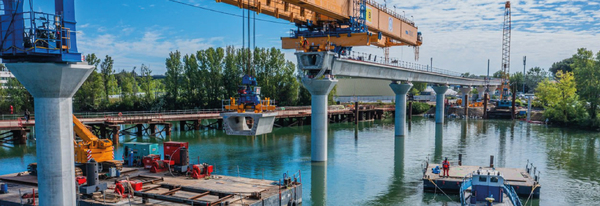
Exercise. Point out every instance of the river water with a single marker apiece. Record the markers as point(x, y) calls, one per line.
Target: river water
point(369, 166)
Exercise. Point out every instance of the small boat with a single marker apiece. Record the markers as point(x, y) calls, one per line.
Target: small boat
point(486, 187)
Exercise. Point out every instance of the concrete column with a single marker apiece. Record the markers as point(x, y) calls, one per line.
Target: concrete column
point(465, 90)
point(528, 108)
point(400, 117)
point(53, 85)
point(440, 92)
point(481, 91)
point(492, 90)
point(319, 90)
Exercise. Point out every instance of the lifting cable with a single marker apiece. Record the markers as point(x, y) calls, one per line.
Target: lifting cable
point(221, 12)
point(439, 188)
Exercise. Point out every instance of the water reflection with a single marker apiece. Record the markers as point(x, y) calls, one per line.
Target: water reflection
point(318, 183)
point(439, 143)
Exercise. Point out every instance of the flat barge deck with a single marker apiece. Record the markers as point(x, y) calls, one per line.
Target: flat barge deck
point(164, 189)
point(523, 183)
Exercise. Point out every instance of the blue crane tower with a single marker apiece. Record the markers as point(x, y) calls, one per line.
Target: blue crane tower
point(40, 49)
point(31, 36)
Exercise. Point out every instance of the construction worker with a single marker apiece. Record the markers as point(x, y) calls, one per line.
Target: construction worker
point(27, 115)
point(445, 167)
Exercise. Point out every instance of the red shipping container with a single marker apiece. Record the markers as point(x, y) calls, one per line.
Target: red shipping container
point(148, 160)
point(172, 148)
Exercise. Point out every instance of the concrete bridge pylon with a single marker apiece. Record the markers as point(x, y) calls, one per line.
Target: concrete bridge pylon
point(400, 89)
point(319, 90)
point(52, 86)
point(440, 96)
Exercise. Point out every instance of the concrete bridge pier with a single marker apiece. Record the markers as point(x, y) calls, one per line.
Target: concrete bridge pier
point(319, 90)
point(52, 86)
point(492, 89)
point(440, 96)
point(400, 115)
point(481, 91)
point(465, 90)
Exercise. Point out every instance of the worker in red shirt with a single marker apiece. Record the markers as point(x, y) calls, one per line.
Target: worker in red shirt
point(445, 167)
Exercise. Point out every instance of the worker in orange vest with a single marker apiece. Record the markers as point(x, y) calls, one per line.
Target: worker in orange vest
point(445, 167)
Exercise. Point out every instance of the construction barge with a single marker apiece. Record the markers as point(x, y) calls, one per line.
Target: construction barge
point(144, 178)
point(521, 180)
point(163, 188)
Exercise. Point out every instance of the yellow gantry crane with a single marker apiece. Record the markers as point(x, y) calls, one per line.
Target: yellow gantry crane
point(337, 25)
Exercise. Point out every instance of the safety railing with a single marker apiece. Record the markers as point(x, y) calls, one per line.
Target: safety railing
point(39, 31)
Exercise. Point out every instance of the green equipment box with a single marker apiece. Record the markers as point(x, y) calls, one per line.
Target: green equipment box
point(140, 150)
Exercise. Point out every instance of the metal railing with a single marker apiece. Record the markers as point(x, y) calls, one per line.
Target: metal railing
point(389, 11)
point(366, 57)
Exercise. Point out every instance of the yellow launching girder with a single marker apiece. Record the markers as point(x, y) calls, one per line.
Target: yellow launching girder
point(393, 27)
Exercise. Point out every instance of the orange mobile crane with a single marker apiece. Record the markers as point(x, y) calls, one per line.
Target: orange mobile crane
point(337, 25)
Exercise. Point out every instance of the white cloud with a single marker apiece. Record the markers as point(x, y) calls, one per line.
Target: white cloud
point(151, 49)
point(461, 35)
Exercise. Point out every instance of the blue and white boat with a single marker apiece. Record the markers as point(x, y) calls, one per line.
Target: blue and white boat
point(486, 187)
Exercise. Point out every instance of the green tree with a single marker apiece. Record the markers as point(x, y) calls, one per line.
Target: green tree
point(498, 74)
point(561, 101)
point(517, 81)
point(146, 84)
point(173, 78)
point(233, 72)
point(128, 95)
point(564, 65)
point(534, 76)
point(191, 82)
point(91, 93)
point(106, 69)
point(587, 75)
point(210, 62)
point(18, 96)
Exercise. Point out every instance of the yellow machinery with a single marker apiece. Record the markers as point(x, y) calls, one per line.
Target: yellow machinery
point(337, 24)
point(101, 150)
point(264, 105)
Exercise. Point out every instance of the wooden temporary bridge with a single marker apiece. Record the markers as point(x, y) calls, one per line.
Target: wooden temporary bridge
point(14, 129)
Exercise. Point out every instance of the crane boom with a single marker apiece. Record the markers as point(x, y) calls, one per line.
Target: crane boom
point(506, 34)
point(337, 23)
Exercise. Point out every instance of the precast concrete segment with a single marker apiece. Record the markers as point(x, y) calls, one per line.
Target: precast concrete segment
point(465, 90)
point(53, 85)
point(235, 123)
point(440, 93)
point(319, 90)
point(400, 117)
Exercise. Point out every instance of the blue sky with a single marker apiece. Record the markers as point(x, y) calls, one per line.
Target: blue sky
point(459, 35)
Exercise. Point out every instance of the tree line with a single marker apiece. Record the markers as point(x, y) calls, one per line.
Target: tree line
point(200, 80)
point(205, 78)
point(572, 97)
